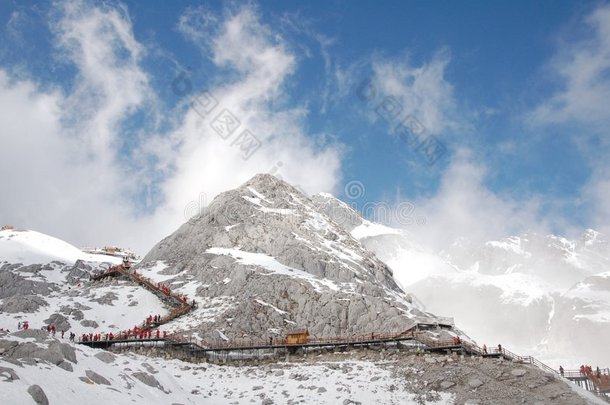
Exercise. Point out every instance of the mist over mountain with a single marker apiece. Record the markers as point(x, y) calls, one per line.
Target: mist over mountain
point(541, 294)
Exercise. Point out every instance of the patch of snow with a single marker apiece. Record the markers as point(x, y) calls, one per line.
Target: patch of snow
point(274, 267)
point(369, 229)
point(259, 195)
point(266, 304)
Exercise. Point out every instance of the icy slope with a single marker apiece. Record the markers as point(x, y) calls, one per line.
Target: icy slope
point(31, 247)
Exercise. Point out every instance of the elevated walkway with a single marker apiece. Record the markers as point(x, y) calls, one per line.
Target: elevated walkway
point(414, 331)
point(179, 303)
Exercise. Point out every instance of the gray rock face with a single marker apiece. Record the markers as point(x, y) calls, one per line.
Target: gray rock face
point(8, 374)
point(96, 378)
point(518, 372)
point(55, 353)
point(269, 260)
point(475, 383)
point(59, 321)
point(148, 379)
point(106, 357)
point(38, 395)
point(340, 212)
point(22, 303)
point(16, 279)
point(447, 384)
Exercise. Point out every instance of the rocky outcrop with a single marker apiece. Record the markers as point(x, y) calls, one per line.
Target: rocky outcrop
point(265, 259)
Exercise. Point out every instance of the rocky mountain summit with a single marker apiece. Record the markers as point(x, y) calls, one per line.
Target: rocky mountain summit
point(263, 259)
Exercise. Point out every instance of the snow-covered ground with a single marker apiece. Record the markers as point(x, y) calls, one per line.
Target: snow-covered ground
point(37, 268)
point(127, 378)
point(31, 247)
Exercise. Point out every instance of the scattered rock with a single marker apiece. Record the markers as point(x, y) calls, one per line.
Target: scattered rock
point(474, 383)
point(96, 378)
point(106, 357)
point(447, 384)
point(38, 395)
point(148, 380)
point(518, 372)
point(66, 366)
point(8, 374)
point(89, 324)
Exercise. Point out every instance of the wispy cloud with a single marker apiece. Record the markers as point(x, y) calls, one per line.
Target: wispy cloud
point(465, 206)
point(581, 72)
point(423, 91)
point(581, 68)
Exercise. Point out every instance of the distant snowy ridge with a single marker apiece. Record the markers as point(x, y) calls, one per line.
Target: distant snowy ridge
point(530, 291)
point(31, 247)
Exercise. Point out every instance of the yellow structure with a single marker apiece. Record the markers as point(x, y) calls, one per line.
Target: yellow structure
point(297, 337)
point(7, 228)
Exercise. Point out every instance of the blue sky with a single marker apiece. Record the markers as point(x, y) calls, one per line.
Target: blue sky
point(488, 118)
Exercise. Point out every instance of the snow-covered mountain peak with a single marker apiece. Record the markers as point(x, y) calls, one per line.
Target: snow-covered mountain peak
point(591, 236)
point(267, 242)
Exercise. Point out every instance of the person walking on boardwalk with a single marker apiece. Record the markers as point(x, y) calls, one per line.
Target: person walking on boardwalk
point(561, 370)
point(484, 348)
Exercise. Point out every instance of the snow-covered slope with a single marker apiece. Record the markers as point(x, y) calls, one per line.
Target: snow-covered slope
point(45, 281)
point(35, 367)
point(31, 247)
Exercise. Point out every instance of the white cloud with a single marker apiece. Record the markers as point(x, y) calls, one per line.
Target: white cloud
point(110, 83)
point(597, 192)
point(582, 68)
point(62, 147)
point(464, 206)
point(422, 91)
